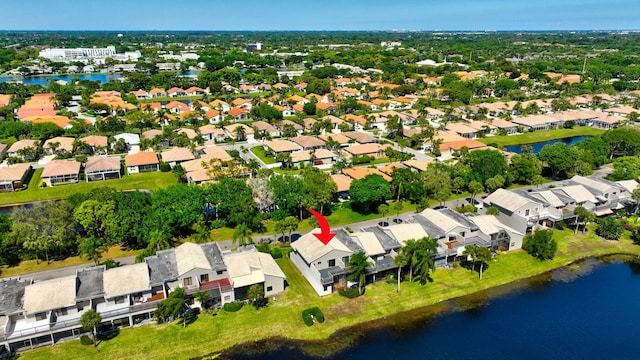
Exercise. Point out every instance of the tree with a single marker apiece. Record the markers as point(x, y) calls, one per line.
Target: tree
point(202, 297)
point(356, 266)
point(475, 188)
point(92, 248)
point(176, 208)
point(397, 206)
point(173, 306)
point(443, 194)
point(410, 249)
point(93, 216)
point(492, 210)
point(242, 235)
point(583, 215)
point(401, 260)
point(256, 295)
point(90, 320)
point(625, 168)
point(622, 141)
point(383, 209)
point(290, 224)
point(319, 187)
point(486, 164)
point(559, 158)
point(477, 254)
point(540, 244)
point(369, 192)
point(635, 195)
point(609, 228)
point(425, 249)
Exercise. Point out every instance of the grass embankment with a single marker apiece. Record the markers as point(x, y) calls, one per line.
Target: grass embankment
point(541, 136)
point(149, 180)
point(210, 334)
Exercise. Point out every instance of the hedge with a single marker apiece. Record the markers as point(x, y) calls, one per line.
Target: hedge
point(349, 292)
point(86, 340)
point(233, 307)
point(309, 314)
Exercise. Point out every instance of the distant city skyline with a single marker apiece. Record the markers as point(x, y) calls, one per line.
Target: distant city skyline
point(261, 15)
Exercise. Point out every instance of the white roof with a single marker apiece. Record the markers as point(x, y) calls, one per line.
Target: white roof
point(440, 220)
point(129, 138)
point(250, 267)
point(311, 248)
point(490, 224)
point(601, 186)
point(630, 185)
point(404, 232)
point(51, 294)
point(190, 256)
point(126, 280)
point(369, 243)
point(551, 198)
point(579, 193)
point(507, 200)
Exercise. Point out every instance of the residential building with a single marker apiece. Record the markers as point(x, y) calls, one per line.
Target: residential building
point(14, 176)
point(102, 168)
point(248, 267)
point(141, 162)
point(60, 172)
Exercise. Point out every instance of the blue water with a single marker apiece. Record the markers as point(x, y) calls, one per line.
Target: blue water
point(595, 316)
point(44, 80)
point(538, 146)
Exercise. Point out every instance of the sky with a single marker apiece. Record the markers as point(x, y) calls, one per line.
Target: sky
point(428, 15)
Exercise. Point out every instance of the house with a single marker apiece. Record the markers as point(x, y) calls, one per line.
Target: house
point(462, 129)
point(60, 172)
point(141, 94)
point(239, 114)
point(509, 127)
point(278, 146)
point(97, 144)
point(3, 150)
point(60, 121)
point(359, 173)
point(360, 137)
point(14, 176)
point(214, 116)
point(176, 91)
point(324, 266)
point(343, 182)
point(375, 150)
point(220, 105)
point(500, 236)
point(308, 142)
point(342, 140)
point(264, 129)
point(176, 156)
point(129, 139)
point(141, 162)
point(248, 267)
point(233, 131)
point(210, 132)
point(214, 152)
point(102, 168)
point(521, 212)
point(58, 145)
point(24, 149)
point(157, 93)
point(194, 91)
point(537, 122)
point(190, 133)
point(38, 105)
point(282, 126)
point(313, 157)
point(177, 107)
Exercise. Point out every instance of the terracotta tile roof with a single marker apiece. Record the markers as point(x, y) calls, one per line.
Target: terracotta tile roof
point(215, 152)
point(61, 167)
point(240, 101)
point(182, 107)
point(307, 141)
point(177, 154)
point(156, 90)
point(212, 113)
point(101, 163)
point(340, 138)
point(64, 143)
point(14, 172)
point(191, 134)
point(358, 173)
point(58, 120)
point(279, 145)
point(457, 145)
point(141, 158)
point(22, 144)
point(364, 149)
point(236, 111)
point(343, 182)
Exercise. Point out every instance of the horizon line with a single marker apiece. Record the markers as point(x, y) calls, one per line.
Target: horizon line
point(326, 30)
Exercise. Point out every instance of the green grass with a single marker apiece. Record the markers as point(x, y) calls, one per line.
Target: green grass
point(150, 180)
point(262, 155)
point(210, 334)
point(540, 136)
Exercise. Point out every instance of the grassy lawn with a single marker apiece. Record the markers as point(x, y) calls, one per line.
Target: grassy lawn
point(214, 333)
point(541, 136)
point(150, 180)
point(30, 266)
point(262, 155)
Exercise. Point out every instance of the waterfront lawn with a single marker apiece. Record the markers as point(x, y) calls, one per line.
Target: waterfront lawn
point(262, 155)
point(541, 136)
point(150, 180)
point(210, 334)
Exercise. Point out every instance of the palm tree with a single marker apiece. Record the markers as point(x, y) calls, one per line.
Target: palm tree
point(409, 249)
point(241, 133)
point(426, 247)
point(477, 254)
point(356, 265)
point(401, 260)
point(201, 296)
point(159, 240)
point(582, 215)
point(383, 210)
point(89, 321)
point(242, 235)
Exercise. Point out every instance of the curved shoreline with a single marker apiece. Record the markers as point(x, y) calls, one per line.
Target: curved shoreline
point(347, 333)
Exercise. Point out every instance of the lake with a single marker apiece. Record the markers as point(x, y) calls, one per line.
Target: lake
point(44, 80)
point(586, 311)
point(539, 145)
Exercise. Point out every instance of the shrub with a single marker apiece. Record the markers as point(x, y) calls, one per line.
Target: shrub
point(165, 167)
point(350, 293)
point(609, 228)
point(218, 224)
point(233, 307)
point(86, 340)
point(309, 314)
point(561, 225)
point(276, 253)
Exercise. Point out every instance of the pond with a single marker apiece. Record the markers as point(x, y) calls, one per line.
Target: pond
point(539, 145)
point(585, 311)
point(44, 80)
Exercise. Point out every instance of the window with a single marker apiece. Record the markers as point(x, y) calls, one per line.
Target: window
point(204, 278)
point(269, 288)
point(462, 233)
point(41, 316)
point(188, 281)
point(332, 262)
point(119, 300)
point(526, 212)
point(227, 298)
point(61, 312)
point(513, 244)
point(606, 196)
point(219, 272)
point(319, 262)
point(345, 259)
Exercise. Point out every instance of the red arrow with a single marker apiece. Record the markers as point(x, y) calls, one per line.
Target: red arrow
point(325, 232)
